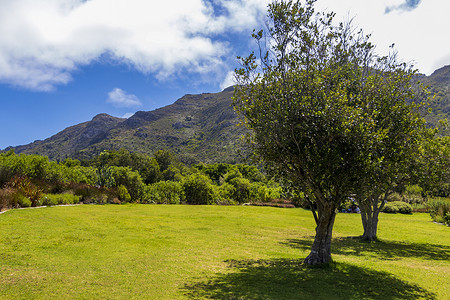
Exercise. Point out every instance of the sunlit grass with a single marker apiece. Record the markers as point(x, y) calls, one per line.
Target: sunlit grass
point(167, 252)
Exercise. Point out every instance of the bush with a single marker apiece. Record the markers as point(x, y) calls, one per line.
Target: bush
point(242, 189)
point(21, 200)
point(25, 188)
point(164, 192)
point(91, 194)
point(440, 210)
point(59, 199)
point(225, 194)
point(260, 192)
point(198, 189)
point(116, 176)
point(124, 196)
point(397, 207)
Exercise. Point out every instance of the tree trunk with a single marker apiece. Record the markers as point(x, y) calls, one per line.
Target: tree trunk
point(370, 227)
point(321, 248)
point(369, 215)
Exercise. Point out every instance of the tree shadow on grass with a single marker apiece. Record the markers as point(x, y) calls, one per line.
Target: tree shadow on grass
point(386, 250)
point(289, 279)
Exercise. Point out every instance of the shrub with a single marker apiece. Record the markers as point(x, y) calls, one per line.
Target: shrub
point(397, 207)
point(116, 176)
point(242, 189)
point(225, 193)
point(164, 192)
point(198, 189)
point(59, 199)
point(124, 196)
point(92, 194)
point(440, 210)
point(21, 200)
point(262, 193)
point(26, 188)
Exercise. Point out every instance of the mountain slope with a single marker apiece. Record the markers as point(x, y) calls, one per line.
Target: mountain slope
point(196, 127)
point(439, 85)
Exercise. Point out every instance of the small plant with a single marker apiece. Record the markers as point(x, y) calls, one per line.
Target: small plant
point(397, 207)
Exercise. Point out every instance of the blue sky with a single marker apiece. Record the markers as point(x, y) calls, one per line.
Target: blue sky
point(64, 61)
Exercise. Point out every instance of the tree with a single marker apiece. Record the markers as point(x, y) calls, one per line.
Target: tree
point(396, 133)
point(315, 111)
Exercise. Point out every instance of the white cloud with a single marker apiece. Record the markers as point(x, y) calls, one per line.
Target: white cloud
point(228, 81)
point(120, 98)
point(43, 42)
point(127, 115)
point(420, 35)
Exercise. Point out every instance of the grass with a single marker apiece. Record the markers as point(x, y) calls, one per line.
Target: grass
point(173, 252)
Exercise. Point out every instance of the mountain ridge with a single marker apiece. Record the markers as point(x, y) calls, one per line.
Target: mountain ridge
point(197, 127)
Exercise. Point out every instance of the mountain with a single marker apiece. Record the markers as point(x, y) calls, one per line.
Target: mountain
point(439, 86)
point(195, 127)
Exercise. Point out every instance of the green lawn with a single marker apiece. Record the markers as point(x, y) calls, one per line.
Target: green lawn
point(231, 252)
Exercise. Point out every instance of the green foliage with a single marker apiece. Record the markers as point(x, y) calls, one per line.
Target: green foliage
point(147, 166)
point(225, 193)
point(198, 189)
point(397, 207)
point(103, 181)
point(123, 194)
point(164, 192)
point(432, 165)
point(92, 194)
point(440, 210)
point(40, 168)
point(22, 200)
point(115, 176)
point(69, 162)
point(260, 192)
point(241, 189)
point(172, 173)
point(165, 159)
point(252, 173)
point(232, 174)
point(214, 171)
point(59, 199)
